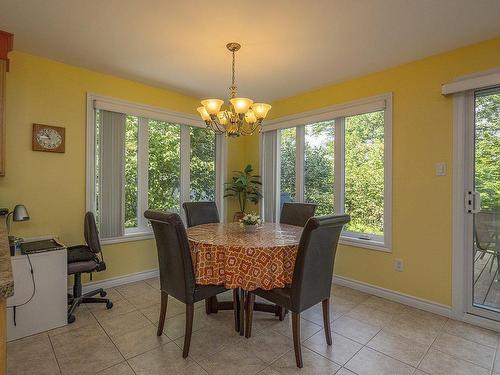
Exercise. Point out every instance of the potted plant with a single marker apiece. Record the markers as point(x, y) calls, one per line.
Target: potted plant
point(245, 187)
point(249, 222)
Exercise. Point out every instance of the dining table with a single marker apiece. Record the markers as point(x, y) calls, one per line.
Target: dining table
point(229, 255)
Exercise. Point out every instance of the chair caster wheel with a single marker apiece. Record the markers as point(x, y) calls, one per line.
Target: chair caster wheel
point(109, 305)
point(103, 294)
point(71, 319)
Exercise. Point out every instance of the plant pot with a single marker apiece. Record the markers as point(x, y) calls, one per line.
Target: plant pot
point(250, 228)
point(237, 216)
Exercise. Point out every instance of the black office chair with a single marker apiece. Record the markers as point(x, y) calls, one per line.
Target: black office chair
point(85, 259)
point(297, 213)
point(176, 269)
point(312, 277)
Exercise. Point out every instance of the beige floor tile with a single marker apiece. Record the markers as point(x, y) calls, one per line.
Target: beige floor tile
point(86, 350)
point(122, 324)
point(166, 359)
point(232, 360)
point(438, 363)
point(267, 345)
point(337, 309)
point(307, 328)
point(370, 362)
point(31, 355)
point(154, 282)
point(464, 349)
point(113, 295)
point(268, 371)
point(83, 318)
point(348, 295)
point(413, 330)
point(344, 371)
point(341, 350)
point(119, 369)
point(176, 326)
point(354, 329)
point(370, 315)
point(263, 320)
point(120, 307)
point(209, 340)
point(152, 297)
point(384, 305)
point(314, 364)
point(399, 347)
point(422, 317)
point(496, 365)
point(174, 308)
point(472, 333)
point(135, 289)
point(139, 341)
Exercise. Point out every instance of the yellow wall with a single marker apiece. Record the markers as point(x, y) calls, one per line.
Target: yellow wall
point(52, 186)
point(422, 136)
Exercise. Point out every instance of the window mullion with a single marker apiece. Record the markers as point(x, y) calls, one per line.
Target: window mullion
point(220, 172)
point(142, 171)
point(339, 165)
point(185, 166)
point(299, 162)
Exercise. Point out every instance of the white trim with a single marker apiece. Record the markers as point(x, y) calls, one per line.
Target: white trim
point(142, 110)
point(392, 295)
point(356, 107)
point(185, 170)
point(477, 81)
point(220, 174)
point(371, 244)
point(90, 157)
point(300, 140)
point(339, 165)
point(129, 237)
point(388, 172)
point(142, 172)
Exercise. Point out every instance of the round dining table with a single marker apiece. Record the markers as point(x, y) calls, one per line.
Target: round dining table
point(228, 255)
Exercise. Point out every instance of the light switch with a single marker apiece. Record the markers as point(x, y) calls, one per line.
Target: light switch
point(441, 169)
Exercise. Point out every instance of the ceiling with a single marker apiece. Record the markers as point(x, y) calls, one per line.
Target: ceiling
point(289, 46)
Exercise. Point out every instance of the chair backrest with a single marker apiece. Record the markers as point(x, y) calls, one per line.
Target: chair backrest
point(201, 213)
point(174, 258)
point(91, 233)
point(483, 224)
point(297, 213)
point(312, 276)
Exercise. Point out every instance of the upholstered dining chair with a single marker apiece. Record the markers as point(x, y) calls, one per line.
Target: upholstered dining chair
point(176, 270)
point(312, 277)
point(297, 213)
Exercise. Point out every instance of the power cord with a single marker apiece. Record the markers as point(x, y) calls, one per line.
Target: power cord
point(14, 307)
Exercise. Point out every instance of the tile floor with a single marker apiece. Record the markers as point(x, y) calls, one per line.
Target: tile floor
point(370, 336)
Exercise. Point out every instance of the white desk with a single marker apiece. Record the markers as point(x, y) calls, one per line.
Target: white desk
point(48, 308)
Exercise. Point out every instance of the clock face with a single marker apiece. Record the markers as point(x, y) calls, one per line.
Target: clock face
point(48, 138)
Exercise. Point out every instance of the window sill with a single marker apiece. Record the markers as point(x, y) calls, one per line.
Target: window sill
point(367, 244)
point(139, 236)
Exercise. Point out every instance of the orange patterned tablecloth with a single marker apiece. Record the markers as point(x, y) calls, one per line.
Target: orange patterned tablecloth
point(224, 254)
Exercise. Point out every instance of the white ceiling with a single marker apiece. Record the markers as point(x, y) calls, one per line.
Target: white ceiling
point(289, 46)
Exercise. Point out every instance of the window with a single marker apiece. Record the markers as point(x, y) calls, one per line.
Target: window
point(341, 161)
point(139, 159)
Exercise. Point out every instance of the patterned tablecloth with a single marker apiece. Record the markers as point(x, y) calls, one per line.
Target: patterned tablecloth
point(224, 254)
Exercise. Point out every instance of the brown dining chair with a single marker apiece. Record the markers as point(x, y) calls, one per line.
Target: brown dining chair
point(312, 277)
point(177, 277)
point(297, 213)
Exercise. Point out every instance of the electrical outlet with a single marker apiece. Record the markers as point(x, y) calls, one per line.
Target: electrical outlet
point(398, 265)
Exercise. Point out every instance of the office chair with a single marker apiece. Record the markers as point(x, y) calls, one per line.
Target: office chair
point(85, 259)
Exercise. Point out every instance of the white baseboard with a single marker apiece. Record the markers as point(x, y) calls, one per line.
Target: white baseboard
point(405, 299)
point(119, 280)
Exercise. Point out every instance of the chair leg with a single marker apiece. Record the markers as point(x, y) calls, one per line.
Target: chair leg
point(296, 339)
point(281, 314)
point(236, 308)
point(250, 303)
point(326, 321)
point(208, 306)
point(189, 329)
point(242, 312)
point(163, 313)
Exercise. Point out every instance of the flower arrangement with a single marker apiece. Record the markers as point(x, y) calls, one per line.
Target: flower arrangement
point(250, 222)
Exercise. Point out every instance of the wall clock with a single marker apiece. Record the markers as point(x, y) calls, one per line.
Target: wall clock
point(48, 138)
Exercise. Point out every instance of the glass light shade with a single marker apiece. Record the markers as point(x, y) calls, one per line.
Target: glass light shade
point(250, 117)
point(203, 113)
point(223, 116)
point(241, 105)
point(212, 105)
point(260, 110)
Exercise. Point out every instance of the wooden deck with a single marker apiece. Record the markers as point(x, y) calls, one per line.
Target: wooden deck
point(486, 289)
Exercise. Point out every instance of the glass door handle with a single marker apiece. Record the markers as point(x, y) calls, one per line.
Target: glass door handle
point(472, 202)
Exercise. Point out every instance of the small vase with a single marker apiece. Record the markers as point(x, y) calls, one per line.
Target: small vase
point(251, 228)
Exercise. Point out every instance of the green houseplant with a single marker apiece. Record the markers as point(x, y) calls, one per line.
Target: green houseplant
point(245, 187)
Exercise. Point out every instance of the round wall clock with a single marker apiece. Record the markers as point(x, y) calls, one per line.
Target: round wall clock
point(48, 138)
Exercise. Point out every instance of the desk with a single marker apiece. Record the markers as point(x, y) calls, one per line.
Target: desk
point(47, 309)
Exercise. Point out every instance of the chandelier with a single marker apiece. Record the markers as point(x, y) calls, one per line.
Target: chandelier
point(241, 117)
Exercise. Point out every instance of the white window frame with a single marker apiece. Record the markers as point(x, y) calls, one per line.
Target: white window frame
point(144, 113)
point(338, 113)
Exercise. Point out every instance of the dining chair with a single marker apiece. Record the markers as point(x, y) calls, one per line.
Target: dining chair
point(312, 277)
point(487, 240)
point(177, 277)
point(198, 213)
point(297, 213)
